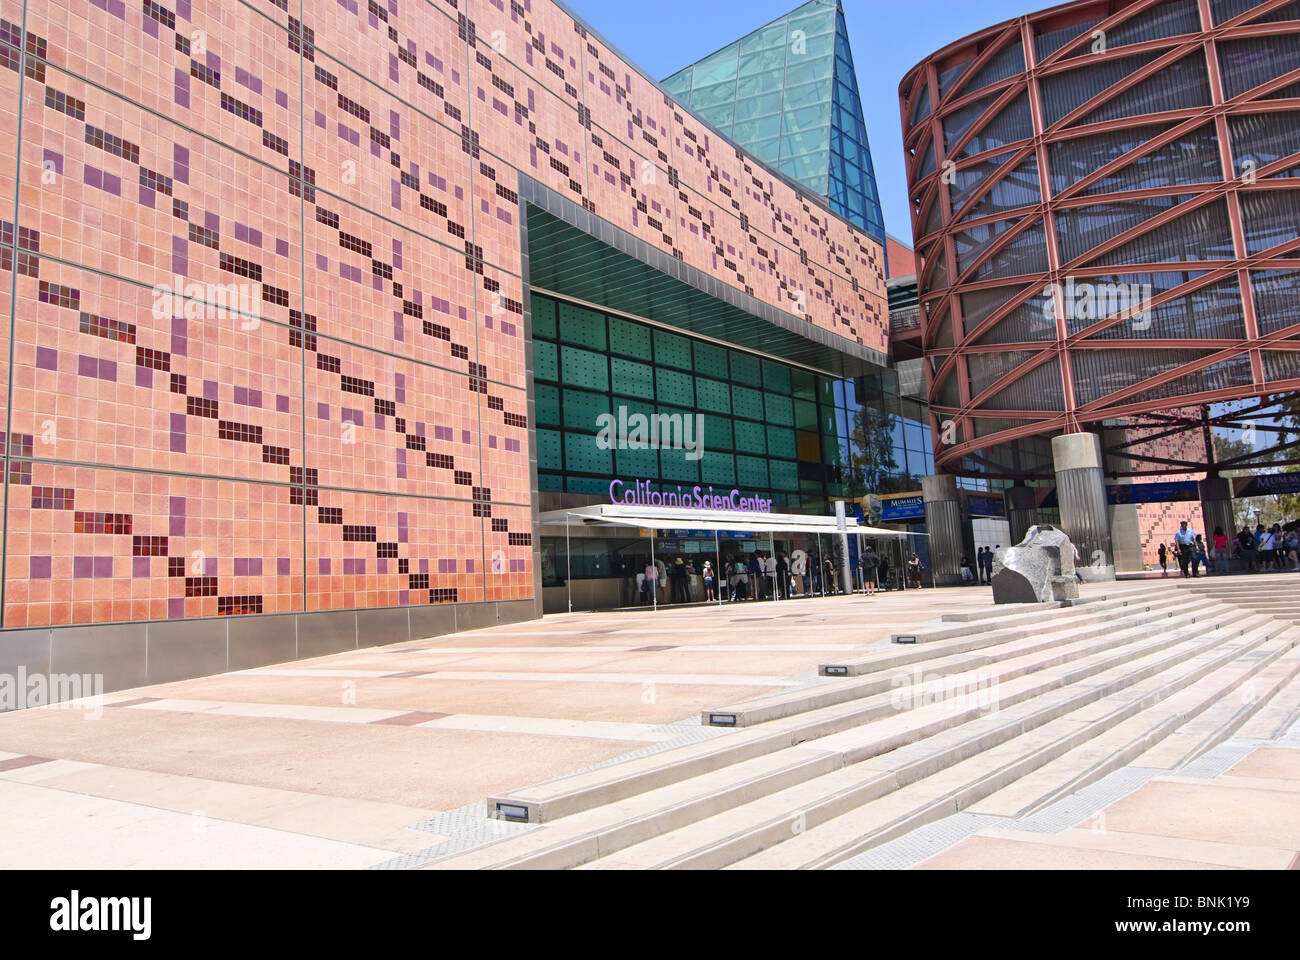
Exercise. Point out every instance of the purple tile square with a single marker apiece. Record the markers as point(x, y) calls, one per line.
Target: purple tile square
point(175, 608)
point(47, 358)
point(40, 568)
point(282, 567)
point(103, 567)
point(139, 566)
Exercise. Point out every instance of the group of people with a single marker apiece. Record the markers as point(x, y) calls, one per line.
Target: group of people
point(760, 576)
point(1258, 550)
point(983, 572)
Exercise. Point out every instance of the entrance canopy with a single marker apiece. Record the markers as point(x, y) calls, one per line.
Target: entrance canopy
point(685, 518)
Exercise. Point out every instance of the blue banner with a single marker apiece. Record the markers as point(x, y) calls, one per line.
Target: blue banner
point(1266, 484)
point(910, 506)
point(983, 505)
point(1168, 491)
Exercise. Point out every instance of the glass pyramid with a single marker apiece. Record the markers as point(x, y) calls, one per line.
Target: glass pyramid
point(788, 94)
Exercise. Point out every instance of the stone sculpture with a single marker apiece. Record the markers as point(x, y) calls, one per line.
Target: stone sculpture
point(1038, 569)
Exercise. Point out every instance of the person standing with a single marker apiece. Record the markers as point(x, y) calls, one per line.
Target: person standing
point(651, 580)
point(882, 572)
point(1247, 541)
point(870, 565)
point(1265, 546)
point(1199, 557)
point(783, 576)
point(914, 571)
point(1184, 543)
point(1221, 563)
point(1163, 555)
point(710, 582)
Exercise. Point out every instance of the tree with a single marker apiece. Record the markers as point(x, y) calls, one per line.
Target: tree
point(872, 462)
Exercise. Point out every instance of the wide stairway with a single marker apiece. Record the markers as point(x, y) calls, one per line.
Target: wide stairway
point(999, 712)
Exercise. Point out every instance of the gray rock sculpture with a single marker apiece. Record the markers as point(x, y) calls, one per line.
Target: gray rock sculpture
point(1038, 569)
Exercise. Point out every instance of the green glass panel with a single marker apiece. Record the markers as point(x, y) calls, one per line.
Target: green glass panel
point(762, 61)
point(638, 464)
point(548, 404)
point(674, 465)
point(546, 364)
point(714, 94)
point(679, 83)
point(628, 376)
point(718, 469)
point(765, 85)
point(543, 310)
point(813, 23)
point(711, 360)
point(717, 67)
point(720, 116)
point(589, 485)
point(583, 455)
point(826, 389)
point(803, 70)
point(813, 120)
point(582, 409)
point(713, 396)
point(746, 402)
point(769, 151)
point(776, 377)
point(749, 107)
point(746, 368)
point(582, 326)
point(550, 450)
point(751, 472)
point(805, 415)
point(780, 442)
point(806, 94)
point(629, 339)
point(585, 368)
point(768, 37)
point(672, 350)
point(803, 384)
point(785, 474)
point(717, 434)
point(780, 410)
point(752, 131)
point(674, 387)
point(550, 483)
point(750, 437)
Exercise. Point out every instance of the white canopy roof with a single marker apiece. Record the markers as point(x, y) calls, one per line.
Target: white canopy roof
point(685, 518)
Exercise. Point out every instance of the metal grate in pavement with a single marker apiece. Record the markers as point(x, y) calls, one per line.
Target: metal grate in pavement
point(921, 844)
point(464, 828)
point(1220, 760)
point(1085, 803)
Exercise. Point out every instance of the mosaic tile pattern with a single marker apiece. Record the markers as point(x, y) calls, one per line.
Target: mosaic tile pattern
point(268, 331)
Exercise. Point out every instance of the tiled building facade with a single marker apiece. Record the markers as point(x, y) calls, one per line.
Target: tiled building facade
point(266, 296)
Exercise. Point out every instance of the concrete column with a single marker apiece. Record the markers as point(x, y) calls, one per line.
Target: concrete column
point(943, 524)
point(1081, 492)
point(1022, 511)
point(1216, 508)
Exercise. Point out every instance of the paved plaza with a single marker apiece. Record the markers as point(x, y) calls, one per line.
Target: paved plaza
point(381, 757)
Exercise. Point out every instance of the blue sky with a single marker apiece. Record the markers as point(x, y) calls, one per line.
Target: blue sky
point(888, 38)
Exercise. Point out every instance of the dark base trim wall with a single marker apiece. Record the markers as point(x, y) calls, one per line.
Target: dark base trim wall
point(160, 651)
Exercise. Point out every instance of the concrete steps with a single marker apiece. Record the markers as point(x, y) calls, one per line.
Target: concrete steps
point(820, 774)
point(962, 785)
point(878, 701)
point(945, 657)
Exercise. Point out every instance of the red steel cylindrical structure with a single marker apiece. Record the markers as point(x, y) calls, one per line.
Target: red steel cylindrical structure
point(1106, 209)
